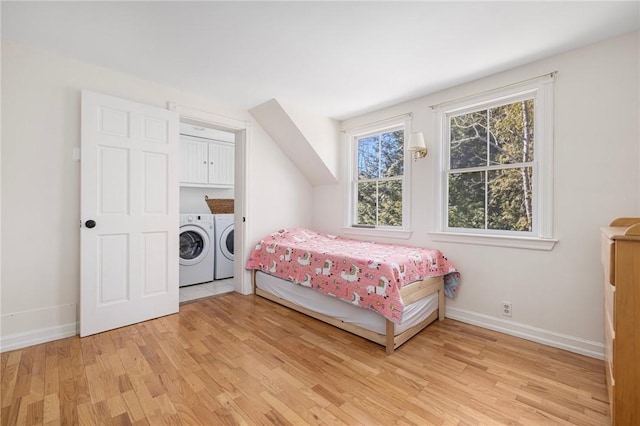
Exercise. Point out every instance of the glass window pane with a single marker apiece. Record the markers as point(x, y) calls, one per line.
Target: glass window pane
point(468, 144)
point(392, 154)
point(367, 206)
point(510, 199)
point(368, 158)
point(390, 203)
point(466, 200)
point(511, 129)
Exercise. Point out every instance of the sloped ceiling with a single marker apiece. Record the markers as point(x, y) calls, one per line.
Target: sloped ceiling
point(302, 139)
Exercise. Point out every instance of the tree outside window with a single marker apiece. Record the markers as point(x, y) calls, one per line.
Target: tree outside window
point(490, 173)
point(378, 181)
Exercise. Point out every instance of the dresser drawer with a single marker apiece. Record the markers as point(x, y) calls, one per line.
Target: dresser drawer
point(609, 346)
point(607, 257)
point(610, 391)
point(609, 304)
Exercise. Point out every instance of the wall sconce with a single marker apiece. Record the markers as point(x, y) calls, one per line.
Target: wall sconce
point(417, 146)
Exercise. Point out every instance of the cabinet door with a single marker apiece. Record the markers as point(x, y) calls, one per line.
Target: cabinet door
point(221, 161)
point(193, 161)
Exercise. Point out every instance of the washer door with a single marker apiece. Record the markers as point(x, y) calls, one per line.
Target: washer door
point(194, 244)
point(226, 242)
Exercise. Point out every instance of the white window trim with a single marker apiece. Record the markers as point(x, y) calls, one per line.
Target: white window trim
point(531, 243)
point(541, 238)
point(351, 165)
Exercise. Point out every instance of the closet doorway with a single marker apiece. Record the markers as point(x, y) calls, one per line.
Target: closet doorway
point(242, 131)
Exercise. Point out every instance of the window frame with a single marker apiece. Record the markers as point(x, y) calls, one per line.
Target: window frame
point(351, 179)
point(541, 236)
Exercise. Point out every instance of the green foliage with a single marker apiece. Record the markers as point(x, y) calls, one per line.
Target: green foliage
point(390, 203)
point(367, 199)
point(506, 200)
point(481, 195)
point(466, 200)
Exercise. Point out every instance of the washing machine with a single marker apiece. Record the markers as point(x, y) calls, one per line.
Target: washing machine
point(223, 224)
point(197, 252)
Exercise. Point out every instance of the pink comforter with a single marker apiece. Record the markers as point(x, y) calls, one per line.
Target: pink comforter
point(366, 274)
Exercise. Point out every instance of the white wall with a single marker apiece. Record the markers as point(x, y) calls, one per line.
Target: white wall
point(41, 184)
point(192, 198)
point(557, 295)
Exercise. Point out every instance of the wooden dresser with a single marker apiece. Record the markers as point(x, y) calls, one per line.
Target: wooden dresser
point(621, 261)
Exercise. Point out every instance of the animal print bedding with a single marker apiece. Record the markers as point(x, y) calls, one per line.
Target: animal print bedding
point(367, 274)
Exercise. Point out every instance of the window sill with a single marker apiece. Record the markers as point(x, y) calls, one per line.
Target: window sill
point(373, 232)
point(528, 243)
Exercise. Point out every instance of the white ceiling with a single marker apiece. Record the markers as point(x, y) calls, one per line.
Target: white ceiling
point(339, 59)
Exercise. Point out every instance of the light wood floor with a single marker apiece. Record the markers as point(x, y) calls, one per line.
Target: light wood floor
point(235, 359)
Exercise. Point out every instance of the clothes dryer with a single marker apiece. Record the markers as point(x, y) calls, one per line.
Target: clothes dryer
point(224, 245)
point(197, 252)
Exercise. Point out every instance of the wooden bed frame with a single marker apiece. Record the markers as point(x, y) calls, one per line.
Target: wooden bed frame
point(410, 293)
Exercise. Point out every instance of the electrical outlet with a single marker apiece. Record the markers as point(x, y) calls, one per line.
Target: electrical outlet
point(506, 309)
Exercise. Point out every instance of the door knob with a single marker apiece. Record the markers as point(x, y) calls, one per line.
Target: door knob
point(90, 223)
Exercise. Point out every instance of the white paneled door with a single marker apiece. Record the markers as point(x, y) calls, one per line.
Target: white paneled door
point(129, 213)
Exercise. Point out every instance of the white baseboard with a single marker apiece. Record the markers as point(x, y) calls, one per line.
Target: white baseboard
point(35, 337)
point(546, 337)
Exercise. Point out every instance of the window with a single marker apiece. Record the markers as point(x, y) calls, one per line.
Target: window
point(490, 173)
point(497, 166)
point(378, 197)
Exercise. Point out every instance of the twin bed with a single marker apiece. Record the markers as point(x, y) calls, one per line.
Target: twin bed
point(382, 292)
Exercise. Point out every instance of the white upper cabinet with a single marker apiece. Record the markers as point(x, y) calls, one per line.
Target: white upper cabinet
point(221, 163)
point(206, 162)
point(194, 160)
